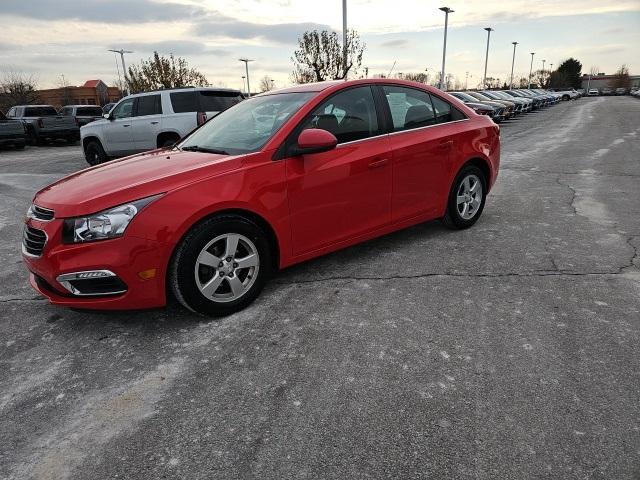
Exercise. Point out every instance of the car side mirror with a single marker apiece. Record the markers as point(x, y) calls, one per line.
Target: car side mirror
point(314, 140)
point(107, 116)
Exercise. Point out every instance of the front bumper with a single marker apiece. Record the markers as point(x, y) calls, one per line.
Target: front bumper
point(131, 259)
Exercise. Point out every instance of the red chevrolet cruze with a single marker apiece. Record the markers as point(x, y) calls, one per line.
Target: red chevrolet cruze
point(275, 180)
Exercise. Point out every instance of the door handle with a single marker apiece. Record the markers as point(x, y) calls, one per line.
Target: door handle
point(126, 125)
point(379, 163)
point(445, 145)
point(154, 123)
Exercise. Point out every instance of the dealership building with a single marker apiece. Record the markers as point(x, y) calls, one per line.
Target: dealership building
point(93, 92)
point(601, 81)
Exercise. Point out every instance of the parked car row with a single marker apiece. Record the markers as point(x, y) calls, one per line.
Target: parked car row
point(505, 104)
point(607, 91)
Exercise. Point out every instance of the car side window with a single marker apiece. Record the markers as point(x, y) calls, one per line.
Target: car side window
point(410, 108)
point(123, 110)
point(149, 105)
point(11, 112)
point(445, 112)
point(350, 115)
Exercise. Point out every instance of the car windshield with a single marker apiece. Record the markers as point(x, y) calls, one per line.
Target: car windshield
point(481, 96)
point(464, 96)
point(247, 126)
point(40, 112)
point(491, 95)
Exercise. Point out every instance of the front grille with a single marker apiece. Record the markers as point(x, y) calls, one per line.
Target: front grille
point(41, 213)
point(33, 241)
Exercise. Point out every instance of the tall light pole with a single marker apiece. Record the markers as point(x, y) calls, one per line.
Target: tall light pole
point(246, 66)
point(446, 11)
point(542, 77)
point(344, 37)
point(124, 69)
point(486, 58)
point(531, 68)
point(513, 61)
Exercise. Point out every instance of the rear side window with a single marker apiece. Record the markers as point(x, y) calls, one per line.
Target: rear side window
point(89, 111)
point(40, 112)
point(66, 111)
point(203, 101)
point(410, 108)
point(149, 105)
point(445, 112)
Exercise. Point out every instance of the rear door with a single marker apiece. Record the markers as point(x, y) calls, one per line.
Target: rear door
point(345, 192)
point(421, 145)
point(118, 134)
point(147, 122)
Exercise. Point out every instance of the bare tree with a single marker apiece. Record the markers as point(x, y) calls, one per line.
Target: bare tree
point(416, 77)
point(164, 72)
point(320, 56)
point(266, 84)
point(17, 88)
point(621, 78)
point(66, 98)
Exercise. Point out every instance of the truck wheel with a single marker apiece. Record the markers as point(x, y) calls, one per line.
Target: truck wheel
point(94, 153)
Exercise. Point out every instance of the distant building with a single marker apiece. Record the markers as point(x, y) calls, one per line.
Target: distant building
point(93, 92)
point(601, 81)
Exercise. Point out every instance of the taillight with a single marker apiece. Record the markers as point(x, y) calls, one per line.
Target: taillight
point(77, 121)
point(201, 118)
point(40, 123)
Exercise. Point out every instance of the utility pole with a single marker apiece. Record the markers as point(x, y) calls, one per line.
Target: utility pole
point(446, 11)
point(124, 69)
point(513, 60)
point(531, 68)
point(486, 58)
point(344, 37)
point(246, 67)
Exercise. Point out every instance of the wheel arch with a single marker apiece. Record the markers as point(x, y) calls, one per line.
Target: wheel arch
point(166, 134)
point(90, 138)
point(250, 215)
point(483, 164)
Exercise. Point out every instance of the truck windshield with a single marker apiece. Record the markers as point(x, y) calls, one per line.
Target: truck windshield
point(89, 111)
point(247, 126)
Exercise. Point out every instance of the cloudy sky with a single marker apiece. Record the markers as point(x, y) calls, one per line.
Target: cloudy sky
point(50, 38)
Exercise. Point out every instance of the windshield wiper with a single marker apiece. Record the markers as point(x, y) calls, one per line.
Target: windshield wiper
point(196, 148)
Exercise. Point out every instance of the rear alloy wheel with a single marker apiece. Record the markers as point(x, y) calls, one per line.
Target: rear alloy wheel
point(466, 199)
point(221, 266)
point(94, 153)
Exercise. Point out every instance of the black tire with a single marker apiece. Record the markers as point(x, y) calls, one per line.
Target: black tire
point(453, 217)
point(94, 154)
point(32, 138)
point(182, 270)
point(168, 141)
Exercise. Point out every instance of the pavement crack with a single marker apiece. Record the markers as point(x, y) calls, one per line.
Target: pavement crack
point(532, 273)
point(634, 257)
point(573, 191)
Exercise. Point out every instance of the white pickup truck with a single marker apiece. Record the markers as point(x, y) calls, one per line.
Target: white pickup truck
point(43, 123)
point(145, 121)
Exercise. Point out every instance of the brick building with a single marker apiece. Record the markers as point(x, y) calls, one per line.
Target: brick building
point(93, 92)
point(601, 81)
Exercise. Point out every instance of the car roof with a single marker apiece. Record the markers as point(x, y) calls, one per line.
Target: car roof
point(334, 84)
point(182, 89)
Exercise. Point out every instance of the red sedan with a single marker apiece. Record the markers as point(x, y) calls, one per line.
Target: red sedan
point(275, 180)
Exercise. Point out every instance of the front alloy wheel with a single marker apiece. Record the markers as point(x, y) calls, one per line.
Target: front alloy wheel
point(221, 265)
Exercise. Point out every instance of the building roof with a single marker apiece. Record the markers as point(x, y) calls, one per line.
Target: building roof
point(92, 83)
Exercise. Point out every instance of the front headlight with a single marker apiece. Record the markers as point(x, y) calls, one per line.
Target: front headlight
point(103, 225)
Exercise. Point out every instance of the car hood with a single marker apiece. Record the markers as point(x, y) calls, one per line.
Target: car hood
point(131, 178)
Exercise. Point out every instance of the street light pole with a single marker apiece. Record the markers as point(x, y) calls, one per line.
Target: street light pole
point(513, 61)
point(344, 37)
point(446, 11)
point(486, 58)
point(531, 68)
point(542, 77)
point(246, 66)
point(124, 69)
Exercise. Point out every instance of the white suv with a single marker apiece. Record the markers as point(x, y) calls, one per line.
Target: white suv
point(149, 120)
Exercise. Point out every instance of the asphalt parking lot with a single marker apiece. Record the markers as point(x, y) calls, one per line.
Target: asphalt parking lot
point(506, 351)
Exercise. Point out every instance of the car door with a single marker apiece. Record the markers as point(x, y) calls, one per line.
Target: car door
point(345, 192)
point(420, 146)
point(147, 122)
point(117, 133)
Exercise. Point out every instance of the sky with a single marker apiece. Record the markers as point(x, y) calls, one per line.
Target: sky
point(51, 38)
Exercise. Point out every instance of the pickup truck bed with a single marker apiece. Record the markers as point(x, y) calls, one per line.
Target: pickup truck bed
point(12, 132)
